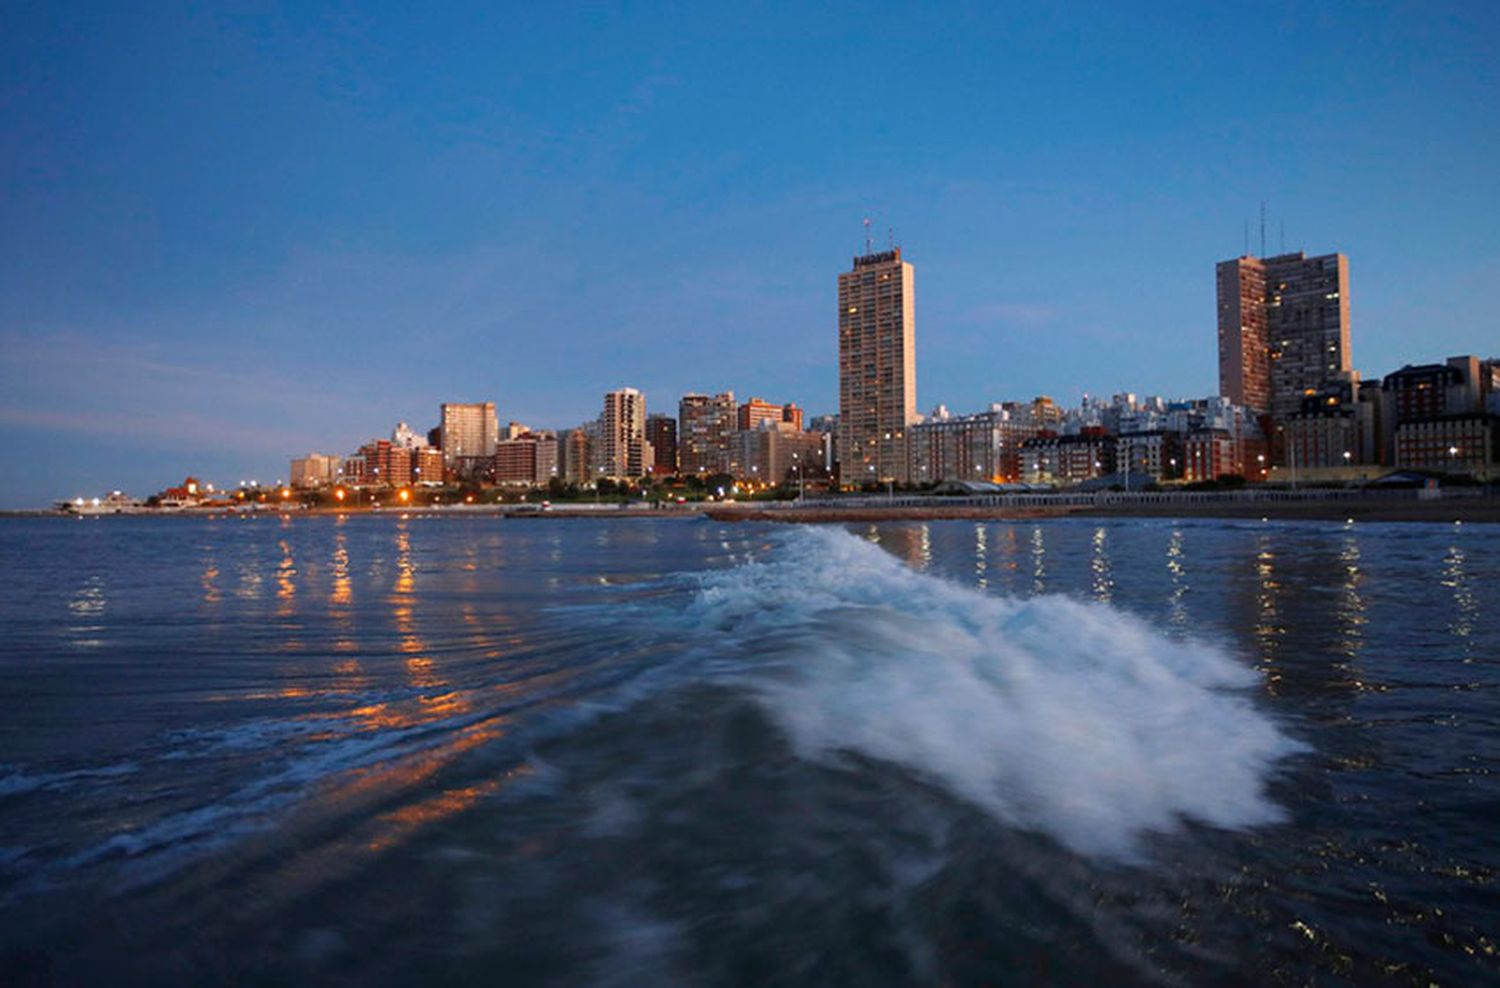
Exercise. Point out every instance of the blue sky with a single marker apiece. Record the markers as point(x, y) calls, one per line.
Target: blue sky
point(230, 234)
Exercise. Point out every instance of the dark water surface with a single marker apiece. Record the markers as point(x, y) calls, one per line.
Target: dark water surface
point(378, 750)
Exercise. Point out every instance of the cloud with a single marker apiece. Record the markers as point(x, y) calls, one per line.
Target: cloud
point(1028, 315)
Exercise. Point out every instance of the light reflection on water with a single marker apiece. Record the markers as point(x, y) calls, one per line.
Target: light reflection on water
point(386, 754)
point(981, 556)
point(1038, 561)
point(1268, 630)
point(1099, 565)
point(1177, 574)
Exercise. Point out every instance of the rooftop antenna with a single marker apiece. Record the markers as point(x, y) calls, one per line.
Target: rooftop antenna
point(1247, 238)
point(890, 237)
point(868, 249)
point(1262, 228)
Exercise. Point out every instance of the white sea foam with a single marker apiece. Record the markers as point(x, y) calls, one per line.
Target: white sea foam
point(1069, 718)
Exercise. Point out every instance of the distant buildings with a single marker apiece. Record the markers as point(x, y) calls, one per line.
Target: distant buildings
point(775, 452)
point(1445, 417)
point(427, 466)
point(316, 470)
point(575, 455)
point(623, 432)
point(469, 431)
point(1290, 407)
point(704, 427)
point(526, 459)
point(985, 446)
point(877, 368)
point(661, 433)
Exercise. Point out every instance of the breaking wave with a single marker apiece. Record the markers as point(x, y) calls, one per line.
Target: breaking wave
point(1073, 719)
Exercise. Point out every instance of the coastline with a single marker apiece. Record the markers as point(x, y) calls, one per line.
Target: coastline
point(1467, 509)
point(1479, 510)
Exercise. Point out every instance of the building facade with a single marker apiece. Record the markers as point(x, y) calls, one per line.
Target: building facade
point(985, 446)
point(1283, 328)
point(1068, 459)
point(469, 430)
point(661, 433)
point(704, 427)
point(529, 458)
point(427, 466)
point(623, 433)
point(877, 368)
point(316, 470)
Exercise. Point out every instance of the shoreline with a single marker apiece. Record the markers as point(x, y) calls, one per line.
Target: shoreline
point(1468, 510)
point(1479, 509)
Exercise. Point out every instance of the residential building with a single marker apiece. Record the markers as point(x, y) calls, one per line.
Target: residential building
point(1068, 459)
point(1157, 454)
point(1443, 417)
point(661, 433)
point(427, 466)
point(575, 456)
point(704, 427)
point(1464, 443)
point(877, 368)
point(529, 458)
point(775, 453)
point(469, 430)
point(386, 464)
point(985, 446)
point(404, 436)
point(1283, 328)
point(623, 429)
point(315, 470)
point(755, 411)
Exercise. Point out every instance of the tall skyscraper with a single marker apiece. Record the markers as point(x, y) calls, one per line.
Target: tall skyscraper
point(623, 427)
point(469, 430)
point(1283, 329)
point(877, 368)
point(1244, 350)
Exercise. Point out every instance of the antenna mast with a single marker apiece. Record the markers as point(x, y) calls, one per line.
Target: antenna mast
point(1262, 228)
point(868, 248)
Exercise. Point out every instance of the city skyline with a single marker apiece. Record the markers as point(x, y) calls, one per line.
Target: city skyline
point(204, 310)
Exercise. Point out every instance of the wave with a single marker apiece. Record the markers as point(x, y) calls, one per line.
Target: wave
point(1073, 719)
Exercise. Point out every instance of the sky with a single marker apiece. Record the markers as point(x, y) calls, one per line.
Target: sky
point(231, 234)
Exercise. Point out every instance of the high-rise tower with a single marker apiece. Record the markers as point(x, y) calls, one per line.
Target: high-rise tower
point(877, 368)
point(1283, 328)
point(623, 429)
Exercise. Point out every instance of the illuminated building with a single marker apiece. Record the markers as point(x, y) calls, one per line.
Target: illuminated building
point(1283, 328)
point(877, 368)
point(704, 427)
point(468, 431)
point(315, 470)
point(623, 433)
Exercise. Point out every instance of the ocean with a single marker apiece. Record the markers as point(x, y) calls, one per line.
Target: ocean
point(384, 750)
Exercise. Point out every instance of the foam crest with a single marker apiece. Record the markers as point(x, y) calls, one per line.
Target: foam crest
point(1069, 718)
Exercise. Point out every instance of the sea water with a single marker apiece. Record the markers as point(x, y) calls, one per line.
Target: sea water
point(385, 749)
